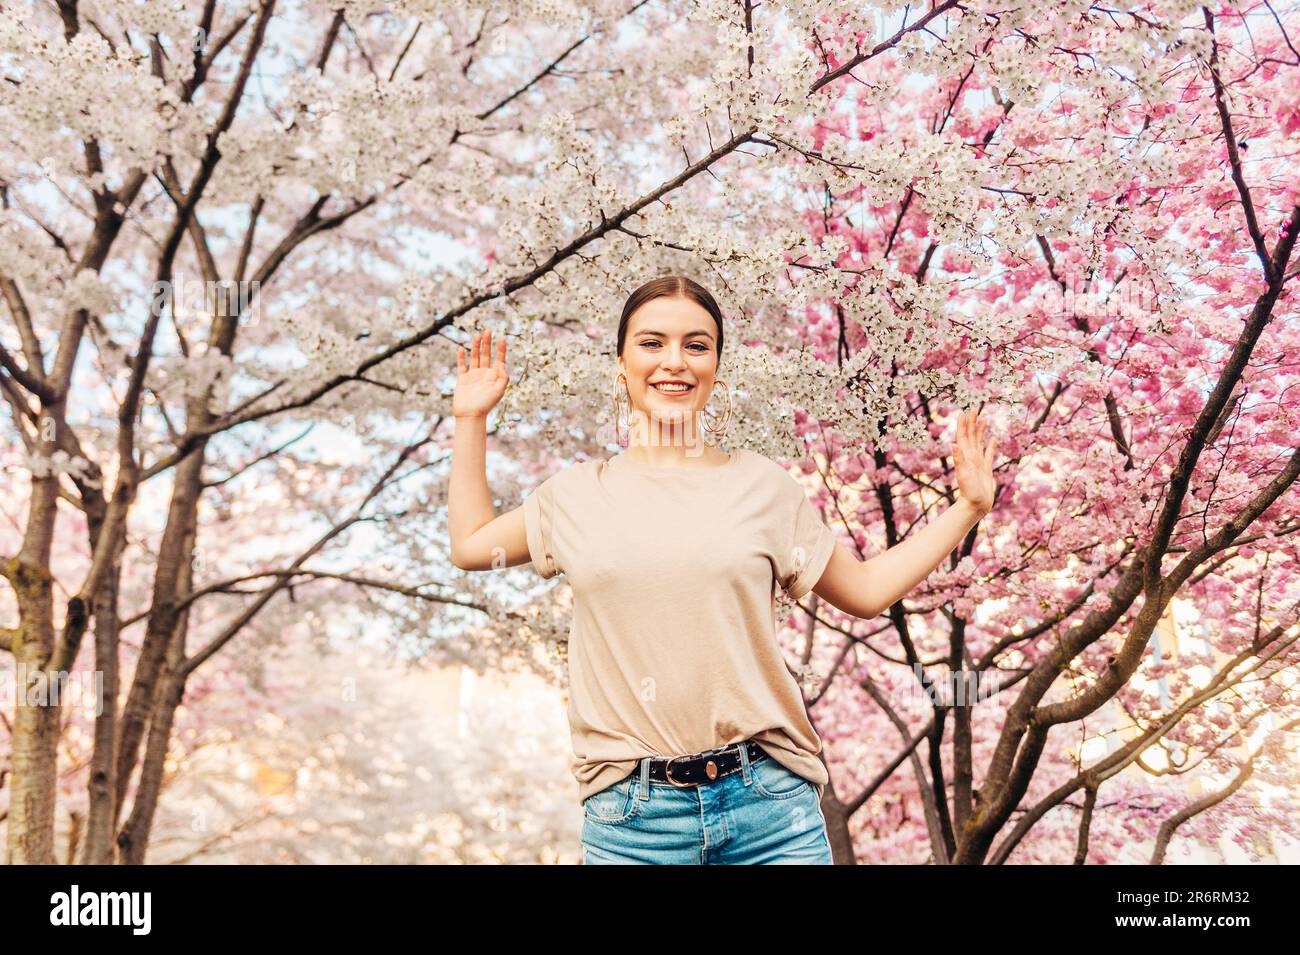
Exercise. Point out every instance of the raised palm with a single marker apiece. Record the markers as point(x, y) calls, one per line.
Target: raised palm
point(480, 382)
point(974, 461)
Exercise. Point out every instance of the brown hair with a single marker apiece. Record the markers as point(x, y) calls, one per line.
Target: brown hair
point(670, 286)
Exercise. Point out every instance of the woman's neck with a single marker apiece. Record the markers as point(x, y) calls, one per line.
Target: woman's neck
point(677, 456)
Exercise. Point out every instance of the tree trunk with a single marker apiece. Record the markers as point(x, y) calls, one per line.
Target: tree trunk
point(837, 827)
point(97, 849)
point(36, 722)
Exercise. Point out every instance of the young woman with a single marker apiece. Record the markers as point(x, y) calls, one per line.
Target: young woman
point(691, 740)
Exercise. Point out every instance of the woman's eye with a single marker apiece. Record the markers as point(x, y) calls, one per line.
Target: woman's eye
point(698, 347)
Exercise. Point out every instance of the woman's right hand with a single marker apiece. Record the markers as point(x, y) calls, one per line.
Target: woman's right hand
point(480, 383)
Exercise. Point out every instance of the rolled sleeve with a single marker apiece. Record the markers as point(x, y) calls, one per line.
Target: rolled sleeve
point(539, 528)
point(810, 544)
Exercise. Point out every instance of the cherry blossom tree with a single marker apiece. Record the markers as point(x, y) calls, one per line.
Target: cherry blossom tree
point(1118, 191)
point(257, 151)
point(242, 240)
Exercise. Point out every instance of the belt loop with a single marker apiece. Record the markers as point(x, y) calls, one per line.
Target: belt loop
point(645, 778)
point(744, 762)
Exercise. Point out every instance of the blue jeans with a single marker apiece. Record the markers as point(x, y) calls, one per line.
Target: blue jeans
point(760, 814)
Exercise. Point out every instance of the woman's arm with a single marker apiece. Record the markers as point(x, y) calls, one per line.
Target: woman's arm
point(867, 588)
point(480, 540)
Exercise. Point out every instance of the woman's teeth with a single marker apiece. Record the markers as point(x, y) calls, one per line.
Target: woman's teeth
point(672, 389)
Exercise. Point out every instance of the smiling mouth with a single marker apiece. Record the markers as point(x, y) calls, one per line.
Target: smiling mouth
point(673, 390)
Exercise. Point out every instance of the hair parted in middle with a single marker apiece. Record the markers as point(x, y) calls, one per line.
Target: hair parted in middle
point(670, 286)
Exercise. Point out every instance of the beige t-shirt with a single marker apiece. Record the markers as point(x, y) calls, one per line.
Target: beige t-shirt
point(674, 572)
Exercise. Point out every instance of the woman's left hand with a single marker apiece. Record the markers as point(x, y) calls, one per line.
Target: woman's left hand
point(974, 462)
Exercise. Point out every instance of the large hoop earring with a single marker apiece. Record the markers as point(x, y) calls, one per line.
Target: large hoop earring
point(622, 402)
point(714, 424)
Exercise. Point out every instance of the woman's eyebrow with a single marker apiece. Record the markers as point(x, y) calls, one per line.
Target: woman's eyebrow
point(647, 331)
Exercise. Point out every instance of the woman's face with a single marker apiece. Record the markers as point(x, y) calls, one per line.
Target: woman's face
point(670, 339)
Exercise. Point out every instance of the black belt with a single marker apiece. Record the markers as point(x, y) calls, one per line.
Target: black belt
point(705, 767)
